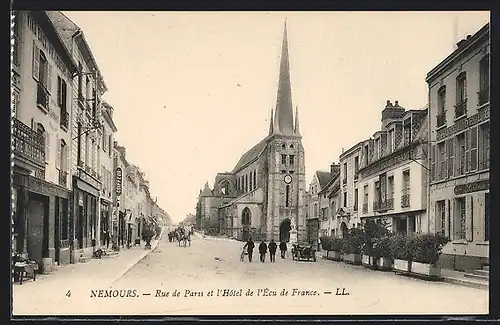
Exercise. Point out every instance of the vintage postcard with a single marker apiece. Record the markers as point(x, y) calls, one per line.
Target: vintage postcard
point(250, 163)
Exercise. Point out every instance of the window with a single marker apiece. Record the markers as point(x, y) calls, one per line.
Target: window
point(407, 132)
point(345, 199)
point(484, 146)
point(461, 154)
point(365, 201)
point(472, 149)
point(41, 131)
point(461, 100)
point(344, 178)
point(283, 146)
point(17, 39)
point(104, 140)
point(487, 216)
point(110, 142)
point(80, 81)
point(377, 148)
point(441, 106)
point(87, 144)
point(88, 88)
point(287, 196)
point(405, 197)
point(365, 155)
point(255, 178)
point(433, 162)
point(15, 102)
point(441, 215)
point(283, 159)
point(42, 73)
point(442, 161)
point(250, 182)
point(390, 141)
point(356, 167)
point(355, 199)
point(390, 192)
point(292, 157)
point(484, 80)
point(291, 146)
point(460, 221)
point(450, 154)
point(63, 157)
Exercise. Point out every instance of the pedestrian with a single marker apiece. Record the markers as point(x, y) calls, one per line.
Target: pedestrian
point(106, 238)
point(283, 248)
point(262, 251)
point(272, 250)
point(249, 246)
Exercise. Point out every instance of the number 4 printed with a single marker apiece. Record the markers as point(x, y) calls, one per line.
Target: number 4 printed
point(68, 294)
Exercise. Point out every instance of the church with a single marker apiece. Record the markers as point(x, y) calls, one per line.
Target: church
point(263, 196)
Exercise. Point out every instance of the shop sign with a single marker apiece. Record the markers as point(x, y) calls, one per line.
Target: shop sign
point(478, 186)
point(464, 124)
point(118, 181)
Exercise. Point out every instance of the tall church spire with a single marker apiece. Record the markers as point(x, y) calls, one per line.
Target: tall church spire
point(296, 128)
point(271, 123)
point(284, 108)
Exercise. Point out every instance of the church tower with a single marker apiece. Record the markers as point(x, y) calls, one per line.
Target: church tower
point(285, 208)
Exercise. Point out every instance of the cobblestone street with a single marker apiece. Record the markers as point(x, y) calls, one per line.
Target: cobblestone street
point(210, 264)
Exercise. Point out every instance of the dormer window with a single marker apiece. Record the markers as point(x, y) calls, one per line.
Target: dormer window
point(407, 132)
point(390, 141)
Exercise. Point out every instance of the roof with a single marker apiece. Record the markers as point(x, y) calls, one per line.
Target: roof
point(333, 178)
point(206, 191)
point(250, 155)
point(323, 178)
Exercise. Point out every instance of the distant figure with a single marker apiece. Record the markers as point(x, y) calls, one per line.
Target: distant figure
point(283, 248)
point(272, 250)
point(262, 251)
point(106, 238)
point(249, 246)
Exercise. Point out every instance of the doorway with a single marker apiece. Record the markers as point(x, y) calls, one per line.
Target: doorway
point(246, 221)
point(57, 234)
point(285, 228)
point(37, 227)
point(343, 230)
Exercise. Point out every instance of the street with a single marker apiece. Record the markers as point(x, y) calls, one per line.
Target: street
point(210, 264)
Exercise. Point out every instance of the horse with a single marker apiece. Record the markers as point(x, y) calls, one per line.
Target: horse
point(184, 239)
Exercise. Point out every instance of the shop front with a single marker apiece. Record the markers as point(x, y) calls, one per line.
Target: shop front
point(105, 223)
point(85, 200)
point(40, 214)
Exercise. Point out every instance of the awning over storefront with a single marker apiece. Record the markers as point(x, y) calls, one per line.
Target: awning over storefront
point(86, 187)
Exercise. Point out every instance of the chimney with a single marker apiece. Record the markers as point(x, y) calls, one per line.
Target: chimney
point(396, 103)
point(334, 168)
point(389, 104)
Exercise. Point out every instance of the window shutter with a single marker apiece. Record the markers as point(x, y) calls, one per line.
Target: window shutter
point(47, 146)
point(58, 155)
point(433, 162)
point(36, 62)
point(59, 91)
point(469, 213)
point(467, 150)
point(49, 77)
point(473, 148)
point(110, 145)
point(458, 151)
point(450, 154)
point(66, 156)
point(481, 148)
point(64, 100)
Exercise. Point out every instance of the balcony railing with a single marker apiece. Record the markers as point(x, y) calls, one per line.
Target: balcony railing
point(63, 178)
point(42, 96)
point(28, 142)
point(405, 199)
point(483, 96)
point(365, 207)
point(441, 119)
point(461, 108)
point(64, 120)
point(383, 206)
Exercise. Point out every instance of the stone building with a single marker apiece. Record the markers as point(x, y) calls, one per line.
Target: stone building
point(317, 204)
point(392, 177)
point(328, 197)
point(459, 133)
point(87, 90)
point(41, 82)
point(263, 196)
point(347, 212)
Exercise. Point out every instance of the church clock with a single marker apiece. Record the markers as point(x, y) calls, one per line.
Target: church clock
point(288, 179)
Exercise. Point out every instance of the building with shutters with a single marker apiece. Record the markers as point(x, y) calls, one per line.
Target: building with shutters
point(42, 73)
point(459, 133)
point(87, 90)
point(393, 171)
point(263, 196)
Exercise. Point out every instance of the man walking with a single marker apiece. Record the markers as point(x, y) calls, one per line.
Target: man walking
point(283, 248)
point(262, 251)
point(249, 246)
point(272, 251)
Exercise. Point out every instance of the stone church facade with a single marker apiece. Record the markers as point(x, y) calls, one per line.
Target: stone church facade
point(263, 196)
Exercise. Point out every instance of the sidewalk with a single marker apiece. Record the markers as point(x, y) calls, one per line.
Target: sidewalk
point(82, 276)
point(206, 237)
point(459, 278)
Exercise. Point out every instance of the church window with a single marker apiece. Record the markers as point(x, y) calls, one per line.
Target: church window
point(283, 171)
point(292, 160)
point(255, 178)
point(283, 146)
point(250, 182)
point(283, 159)
point(291, 146)
point(287, 196)
point(291, 172)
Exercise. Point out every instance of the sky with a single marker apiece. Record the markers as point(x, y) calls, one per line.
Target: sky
point(173, 82)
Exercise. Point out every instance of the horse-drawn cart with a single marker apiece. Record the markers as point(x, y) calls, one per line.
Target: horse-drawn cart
point(303, 251)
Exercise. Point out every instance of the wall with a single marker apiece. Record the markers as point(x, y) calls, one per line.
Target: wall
point(351, 184)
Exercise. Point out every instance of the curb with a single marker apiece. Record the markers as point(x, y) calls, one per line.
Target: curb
point(464, 283)
point(141, 257)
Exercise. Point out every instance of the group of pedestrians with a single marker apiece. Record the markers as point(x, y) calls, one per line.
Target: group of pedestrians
point(263, 248)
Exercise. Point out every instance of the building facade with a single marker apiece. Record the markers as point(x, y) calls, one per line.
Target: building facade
point(263, 195)
point(392, 179)
point(459, 133)
point(318, 205)
point(42, 73)
point(347, 213)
